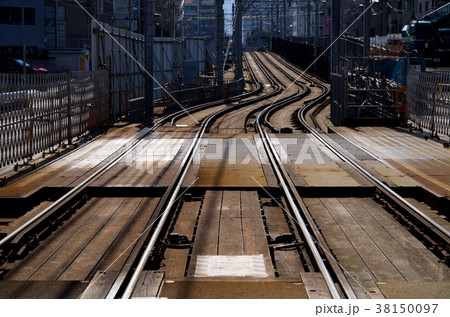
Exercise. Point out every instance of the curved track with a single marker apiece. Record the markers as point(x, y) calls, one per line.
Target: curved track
point(166, 219)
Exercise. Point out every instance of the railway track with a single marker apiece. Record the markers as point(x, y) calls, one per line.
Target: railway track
point(149, 250)
point(175, 188)
point(436, 236)
point(27, 236)
point(299, 209)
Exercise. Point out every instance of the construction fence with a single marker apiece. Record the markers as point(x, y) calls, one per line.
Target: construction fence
point(42, 111)
point(120, 52)
point(178, 64)
point(186, 98)
point(358, 99)
point(428, 101)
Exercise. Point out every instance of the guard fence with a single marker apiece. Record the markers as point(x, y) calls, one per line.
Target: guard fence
point(186, 98)
point(39, 112)
point(428, 101)
point(360, 99)
point(199, 95)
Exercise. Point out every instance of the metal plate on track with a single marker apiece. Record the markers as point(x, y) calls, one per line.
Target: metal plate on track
point(226, 265)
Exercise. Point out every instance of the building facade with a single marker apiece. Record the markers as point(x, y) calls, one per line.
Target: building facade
point(22, 23)
point(199, 18)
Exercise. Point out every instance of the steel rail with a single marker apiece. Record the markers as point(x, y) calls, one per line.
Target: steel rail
point(437, 229)
point(306, 92)
point(346, 287)
point(282, 102)
point(276, 165)
point(443, 233)
point(163, 210)
point(222, 101)
point(277, 88)
point(173, 190)
point(18, 234)
point(184, 166)
point(339, 274)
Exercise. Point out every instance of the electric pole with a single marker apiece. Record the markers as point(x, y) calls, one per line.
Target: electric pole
point(149, 29)
point(24, 47)
point(219, 46)
point(283, 27)
point(366, 52)
point(335, 31)
point(308, 21)
point(316, 33)
point(239, 39)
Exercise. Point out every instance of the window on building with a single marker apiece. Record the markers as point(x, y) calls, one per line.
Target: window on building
point(13, 15)
point(29, 16)
point(427, 6)
point(10, 15)
point(50, 27)
point(407, 5)
point(420, 7)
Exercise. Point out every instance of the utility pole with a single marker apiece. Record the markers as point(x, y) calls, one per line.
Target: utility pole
point(261, 44)
point(308, 20)
point(95, 34)
point(174, 34)
point(239, 39)
point(130, 14)
point(56, 24)
point(198, 19)
point(382, 14)
point(366, 52)
point(219, 46)
point(24, 47)
point(277, 30)
point(336, 111)
point(233, 33)
point(379, 19)
point(161, 25)
point(335, 31)
point(283, 27)
point(316, 33)
point(272, 26)
point(149, 29)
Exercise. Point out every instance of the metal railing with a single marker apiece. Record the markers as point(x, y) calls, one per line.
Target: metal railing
point(193, 96)
point(358, 96)
point(41, 111)
point(428, 101)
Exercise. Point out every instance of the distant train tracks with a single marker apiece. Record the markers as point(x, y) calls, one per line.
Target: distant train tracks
point(251, 110)
point(125, 284)
point(29, 232)
point(28, 235)
point(299, 209)
point(437, 238)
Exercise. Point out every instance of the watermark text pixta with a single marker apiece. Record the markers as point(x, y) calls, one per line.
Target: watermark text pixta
point(159, 153)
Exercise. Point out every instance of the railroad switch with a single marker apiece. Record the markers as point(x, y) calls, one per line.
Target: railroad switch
point(288, 247)
point(176, 240)
point(284, 238)
point(271, 203)
point(285, 130)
